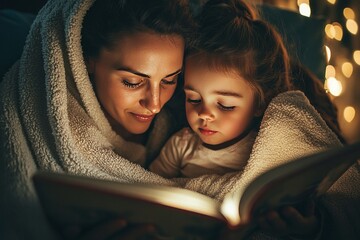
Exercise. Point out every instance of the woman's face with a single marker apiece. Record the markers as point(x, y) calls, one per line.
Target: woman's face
point(135, 78)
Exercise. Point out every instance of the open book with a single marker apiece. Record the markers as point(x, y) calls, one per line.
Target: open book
point(183, 214)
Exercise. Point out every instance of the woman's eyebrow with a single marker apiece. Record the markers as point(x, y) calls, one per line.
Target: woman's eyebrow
point(174, 73)
point(133, 71)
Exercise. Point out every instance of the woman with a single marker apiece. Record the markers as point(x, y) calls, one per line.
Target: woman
point(87, 98)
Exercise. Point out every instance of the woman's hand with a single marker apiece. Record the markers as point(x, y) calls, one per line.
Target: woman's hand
point(290, 221)
point(115, 229)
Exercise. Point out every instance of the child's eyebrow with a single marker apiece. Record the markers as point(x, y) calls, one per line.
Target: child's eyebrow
point(186, 87)
point(227, 93)
point(218, 92)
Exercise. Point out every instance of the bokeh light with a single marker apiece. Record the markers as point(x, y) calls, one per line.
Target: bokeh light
point(304, 9)
point(349, 113)
point(338, 31)
point(347, 69)
point(356, 56)
point(349, 13)
point(352, 26)
point(328, 53)
point(330, 71)
point(334, 86)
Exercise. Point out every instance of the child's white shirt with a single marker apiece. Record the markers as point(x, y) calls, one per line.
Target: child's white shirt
point(184, 155)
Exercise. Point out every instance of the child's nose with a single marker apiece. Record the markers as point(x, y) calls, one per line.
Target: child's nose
point(205, 114)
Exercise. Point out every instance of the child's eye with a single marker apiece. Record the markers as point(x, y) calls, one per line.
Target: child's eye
point(130, 84)
point(226, 108)
point(193, 101)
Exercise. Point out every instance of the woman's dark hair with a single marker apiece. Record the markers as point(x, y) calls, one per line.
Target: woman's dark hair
point(231, 37)
point(107, 19)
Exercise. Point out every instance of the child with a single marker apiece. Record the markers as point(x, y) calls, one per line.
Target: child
point(236, 65)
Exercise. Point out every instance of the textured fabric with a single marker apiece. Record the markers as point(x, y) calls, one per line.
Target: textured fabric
point(50, 119)
point(184, 155)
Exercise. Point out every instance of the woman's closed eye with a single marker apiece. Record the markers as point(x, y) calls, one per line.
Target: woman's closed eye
point(169, 82)
point(132, 84)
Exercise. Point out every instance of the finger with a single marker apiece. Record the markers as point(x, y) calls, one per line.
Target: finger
point(105, 230)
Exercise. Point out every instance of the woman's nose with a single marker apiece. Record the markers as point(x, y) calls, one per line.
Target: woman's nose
point(152, 100)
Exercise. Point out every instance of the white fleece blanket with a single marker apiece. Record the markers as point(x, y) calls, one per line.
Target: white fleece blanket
point(50, 119)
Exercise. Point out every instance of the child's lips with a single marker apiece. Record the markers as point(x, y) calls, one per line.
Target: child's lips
point(207, 132)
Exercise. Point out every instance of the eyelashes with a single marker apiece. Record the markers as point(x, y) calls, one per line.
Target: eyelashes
point(219, 105)
point(132, 85)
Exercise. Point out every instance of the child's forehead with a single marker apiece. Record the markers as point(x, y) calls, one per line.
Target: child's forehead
point(212, 65)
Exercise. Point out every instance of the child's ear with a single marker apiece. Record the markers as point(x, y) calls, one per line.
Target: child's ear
point(90, 65)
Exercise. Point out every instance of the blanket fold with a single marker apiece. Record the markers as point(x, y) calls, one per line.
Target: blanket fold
point(51, 120)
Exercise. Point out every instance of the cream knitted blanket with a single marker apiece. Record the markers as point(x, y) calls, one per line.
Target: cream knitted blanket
point(50, 119)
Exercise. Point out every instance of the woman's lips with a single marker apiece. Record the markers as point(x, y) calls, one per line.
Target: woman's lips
point(143, 118)
point(206, 132)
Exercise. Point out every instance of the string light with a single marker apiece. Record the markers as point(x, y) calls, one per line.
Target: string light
point(299, 2)
point(347, 69)
point(330, 71)
point(305, 9)
point(328, 53)
point(349, 13)
point(332, 1)
point(349, 113)
point(356, 56)
point(330, 31)
point(334, 86)
point(338, 31)
point(352, 26)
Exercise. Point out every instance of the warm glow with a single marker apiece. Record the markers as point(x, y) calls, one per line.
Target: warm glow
point(356, 57)
point(330, 71)
point(299, 2)
point(330, 31)
point(347, 69)
point(334, 86)
point(332, 1)
point(349, 13)
point(349, 113)
point(352, 26)
point(328, 53)
point(338, 31)
point(230, 209)
point(305, 9)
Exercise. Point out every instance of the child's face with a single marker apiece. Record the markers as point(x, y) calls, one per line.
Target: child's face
point(136, 78)
point(220, 106)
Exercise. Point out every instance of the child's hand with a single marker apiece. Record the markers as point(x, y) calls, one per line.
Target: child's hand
point(289, 221)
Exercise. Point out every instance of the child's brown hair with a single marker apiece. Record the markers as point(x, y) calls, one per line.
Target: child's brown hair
point(230, 37)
